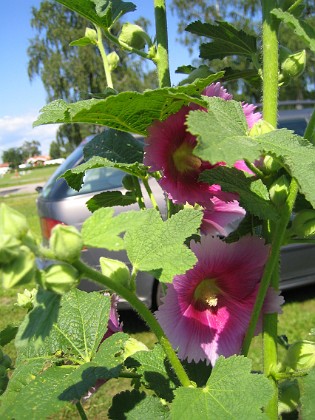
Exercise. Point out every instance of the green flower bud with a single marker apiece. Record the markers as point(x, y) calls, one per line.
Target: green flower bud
point(22, 270)
point(66, 243)
point(12, 222)
point(132, 346)
point(303, 224)
point(271, 164)
point(91, 34)
point(26, 299)
point(134, 36)
point(261, 127)
point(289, 396)
point(293, 65)
point(60, 278)
point(115, 270)
point(9, 248)
point(127, 182)
point(300, 356)
point(113, 60)
point(279, 191)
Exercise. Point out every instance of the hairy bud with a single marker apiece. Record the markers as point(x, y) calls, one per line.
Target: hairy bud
point(300, 356)
point(66, 243)
point(279, 191)
point(60, 278)
point(134, 36)
point(12, 222)
point(303, 225)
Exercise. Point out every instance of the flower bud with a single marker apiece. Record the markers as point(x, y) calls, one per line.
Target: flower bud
point(134, 36)
point(26, 299)
point(91, 34)
point(289, 396)
point(271, 164)
point(293, 65)
point(60, 278)
point(9, 248)
point(261, 127)
point(113, 60)
point(279, 191)
point(127, 182)
point(300, 355)
point(20, 271)
point(12, 222)
point(303, 225)
point(66, 243)
point(115, 270)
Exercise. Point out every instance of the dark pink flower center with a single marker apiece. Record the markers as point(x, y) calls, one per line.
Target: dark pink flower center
point(184, 160)
point(206, 294)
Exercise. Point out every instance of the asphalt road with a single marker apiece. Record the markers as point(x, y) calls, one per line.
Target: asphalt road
point(20, 189)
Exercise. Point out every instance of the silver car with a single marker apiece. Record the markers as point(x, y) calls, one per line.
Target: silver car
point(58, 203)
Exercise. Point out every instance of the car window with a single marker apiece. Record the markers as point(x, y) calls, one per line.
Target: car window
point(298, 125)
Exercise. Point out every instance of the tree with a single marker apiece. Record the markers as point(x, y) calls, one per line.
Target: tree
point(55, 151)
point(72, 73)
point(30, 148)
point(14, 157)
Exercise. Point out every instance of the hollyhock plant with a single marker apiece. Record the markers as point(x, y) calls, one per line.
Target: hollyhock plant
point(206, 311)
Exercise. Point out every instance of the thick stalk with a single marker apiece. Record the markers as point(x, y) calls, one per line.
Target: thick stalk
point(150, 193)
point(143, 311)
point(161, 58)
point(102, 51)
point(270, 112)
point(310, 129)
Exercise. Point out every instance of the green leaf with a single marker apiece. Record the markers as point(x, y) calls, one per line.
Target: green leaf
point(115, 146)
point(227, 40)
point(136, 405)
point(156, 371)
point(253, 195)
point(231, 392)
point(297, 154)
point(81, 42)
point(301, 28)
point(154, 245)
point(74, 177)
point(102, 230)
point(128, 111)
point(111, 199)
point(8, 334)
point(37, 389)
point(103, 13)
point(76, 327)
point(307, 388)
point(227, 139)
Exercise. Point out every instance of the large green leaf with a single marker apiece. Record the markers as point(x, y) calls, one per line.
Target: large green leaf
point(136, 405)
point(128, 111)
point(307, 388)
point(103, 13)
point(222, 132)
point(75, 326)
point(227, 40)
point(115, 146)
point(253, 195)
point(38, 390)
point(102, 230)
point(232, 392)
point(154, 245)
point(301, 28)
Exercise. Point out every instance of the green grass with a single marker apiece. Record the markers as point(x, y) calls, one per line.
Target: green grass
point(296, 322)
point(27, 177)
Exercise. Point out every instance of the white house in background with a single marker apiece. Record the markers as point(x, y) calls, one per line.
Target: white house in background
point(58, 161)
point(37, 160)
point(4, 168)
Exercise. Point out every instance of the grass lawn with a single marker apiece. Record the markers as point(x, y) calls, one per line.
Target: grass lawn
point(296, 322)
point(27, 177)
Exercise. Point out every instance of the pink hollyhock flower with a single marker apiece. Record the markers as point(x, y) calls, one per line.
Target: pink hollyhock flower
point(169, 149)
point(206, 311)
point(221, 217)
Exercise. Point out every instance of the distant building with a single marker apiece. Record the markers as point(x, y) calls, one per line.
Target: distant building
point(37, 160)
point(4, 168)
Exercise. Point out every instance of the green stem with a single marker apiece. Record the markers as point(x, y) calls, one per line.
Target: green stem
point(143, 311)
point(161, 58)
point(81, 411)
point(310, 129)
point(294, 5)
point(101, 48)
point(150, 194)
point(139, 196)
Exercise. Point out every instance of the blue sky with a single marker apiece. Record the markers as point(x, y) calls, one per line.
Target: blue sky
point(21, 99)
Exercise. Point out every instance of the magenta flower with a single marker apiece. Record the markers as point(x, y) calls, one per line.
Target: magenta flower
point(169, 149)
point(206, 311)
point(221, 217)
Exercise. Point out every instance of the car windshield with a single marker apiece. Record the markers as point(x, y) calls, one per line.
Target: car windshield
point(298, 125)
